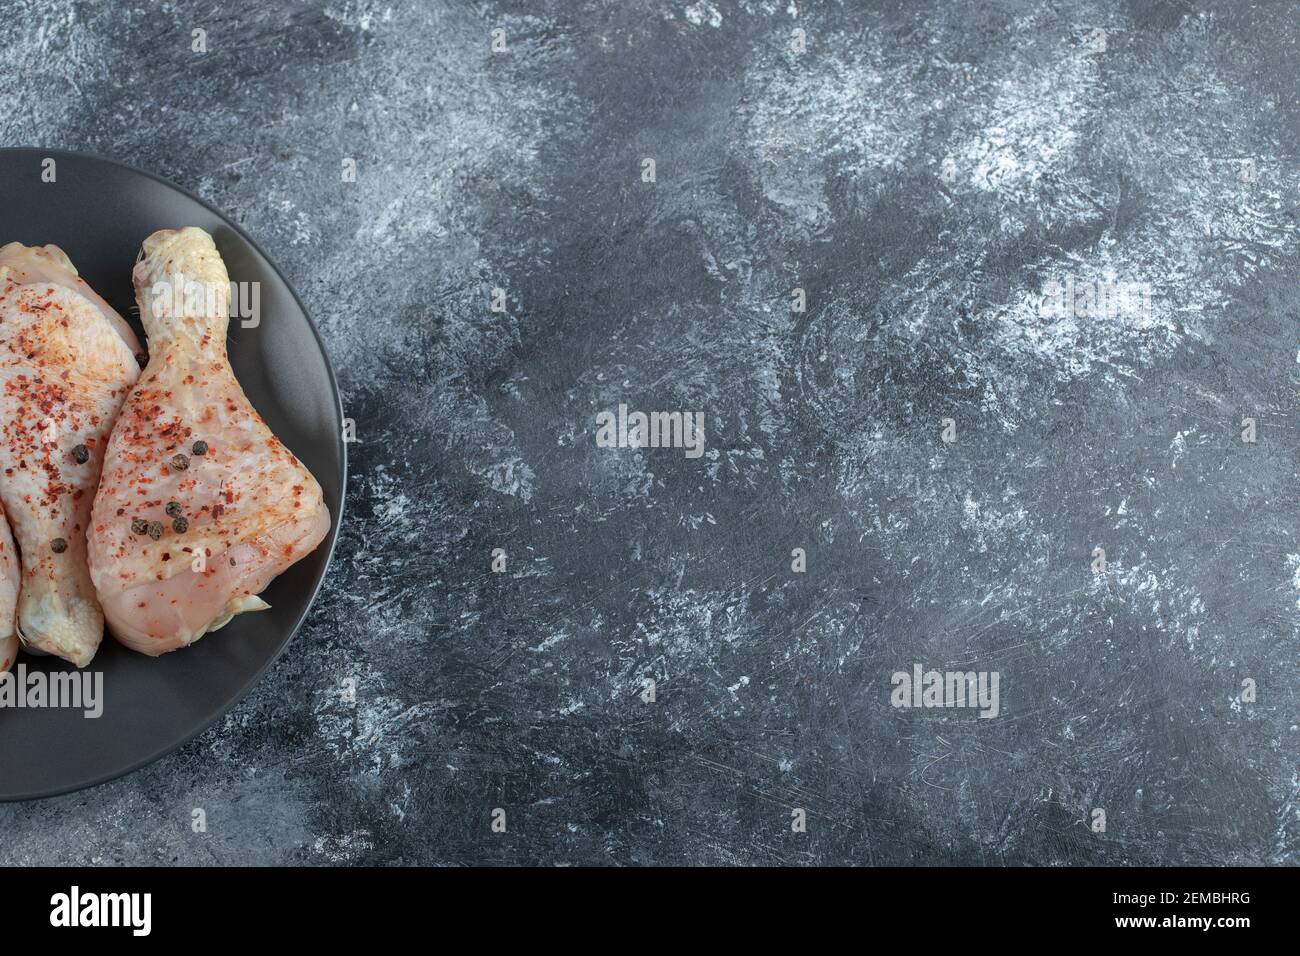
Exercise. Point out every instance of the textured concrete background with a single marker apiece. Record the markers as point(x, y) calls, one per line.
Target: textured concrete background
point(922, 170)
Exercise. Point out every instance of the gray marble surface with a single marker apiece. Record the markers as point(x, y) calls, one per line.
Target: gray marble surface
point(924, 171)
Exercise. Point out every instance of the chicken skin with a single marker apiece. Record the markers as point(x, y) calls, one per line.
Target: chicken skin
point(199, 506)
point(67, 361)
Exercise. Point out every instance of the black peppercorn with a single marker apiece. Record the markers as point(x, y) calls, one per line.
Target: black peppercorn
point(155, 529)
point(180, 462)
point(139, 526)
point(180, 524)
point(80, 454)
point(200, 448)
point(58, 546)
point(173, 509)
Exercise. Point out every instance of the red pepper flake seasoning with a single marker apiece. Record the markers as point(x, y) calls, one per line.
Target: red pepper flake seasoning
point(58, 546)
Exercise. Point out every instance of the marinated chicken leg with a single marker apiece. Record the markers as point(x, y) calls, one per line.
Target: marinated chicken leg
point(200, 506)
point(67, 361)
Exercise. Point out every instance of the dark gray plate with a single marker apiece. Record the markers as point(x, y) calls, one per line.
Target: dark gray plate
point(99, 211)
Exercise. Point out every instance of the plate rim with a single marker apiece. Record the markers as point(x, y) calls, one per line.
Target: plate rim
point(332, 537)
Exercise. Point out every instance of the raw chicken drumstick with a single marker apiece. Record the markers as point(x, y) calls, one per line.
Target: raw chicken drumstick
point(200, 506)
point(67, 361)
point(9, 571)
